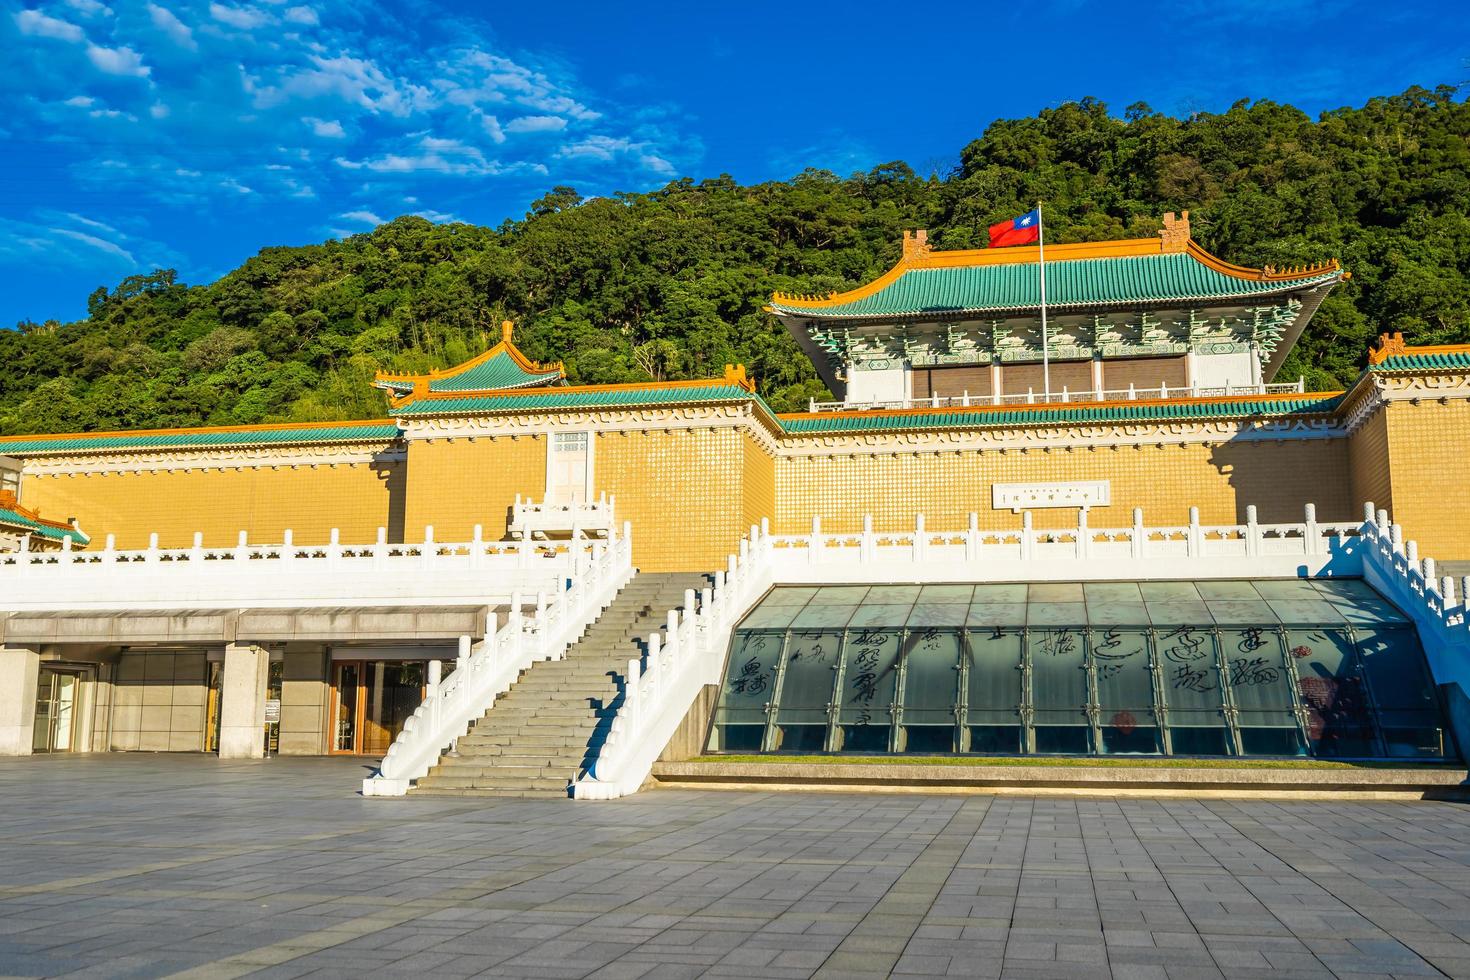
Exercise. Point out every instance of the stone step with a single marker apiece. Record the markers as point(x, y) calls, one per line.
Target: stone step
point(512, 783)
point(529, 794)
point(511, 756)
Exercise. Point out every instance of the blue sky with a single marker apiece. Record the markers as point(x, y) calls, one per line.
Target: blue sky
point(137, 134)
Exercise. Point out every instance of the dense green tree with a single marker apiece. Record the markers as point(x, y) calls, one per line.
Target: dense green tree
point(672, 283)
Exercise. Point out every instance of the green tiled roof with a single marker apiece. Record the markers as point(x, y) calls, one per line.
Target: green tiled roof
point(202, 439)
point(1424, 362)
point(497, 373)
point(555, 398)
point(1071, 283)
point(1117, 412)
point(17, 519)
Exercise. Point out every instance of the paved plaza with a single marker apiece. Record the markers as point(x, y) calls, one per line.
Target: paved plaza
point(145, 865)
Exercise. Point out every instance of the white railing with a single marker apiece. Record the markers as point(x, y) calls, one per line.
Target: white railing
point(480, 675)
point(284, 574)
point(1064, 396)
point(1392, 566)
point(658, 690)
point(690, 653)
point(539, 521)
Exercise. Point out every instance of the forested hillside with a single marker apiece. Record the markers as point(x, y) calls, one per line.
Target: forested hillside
point(670, 284)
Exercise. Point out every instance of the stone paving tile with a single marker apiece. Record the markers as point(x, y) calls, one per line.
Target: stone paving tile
point(146, 866)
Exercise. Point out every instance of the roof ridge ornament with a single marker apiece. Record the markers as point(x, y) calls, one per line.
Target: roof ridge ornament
point(1174, 236)
point(915, 246)
point(1389, 345)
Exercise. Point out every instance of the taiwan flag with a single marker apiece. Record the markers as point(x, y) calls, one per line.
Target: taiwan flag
point(1017, 231)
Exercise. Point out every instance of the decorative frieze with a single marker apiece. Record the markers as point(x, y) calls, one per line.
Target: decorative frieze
point(222, 458)
point(1017, 497)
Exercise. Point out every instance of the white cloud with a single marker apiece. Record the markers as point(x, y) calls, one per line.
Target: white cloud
point(117, 61)
point(327, 128)
point(158, 110)
point(536, 124)
point(438, 217)
point(301, 15)
point(168, 22)
point(36, 24)
point(80, 101)
point(366, 217)
point(90, 8)
point(607, 149)
point(92, 241)
point(241, 18)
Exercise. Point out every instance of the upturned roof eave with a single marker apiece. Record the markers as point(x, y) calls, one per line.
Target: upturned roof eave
point(977, 311)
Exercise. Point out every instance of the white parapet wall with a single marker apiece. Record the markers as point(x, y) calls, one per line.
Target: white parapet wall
point(288, 575)
point(690, 652)
point(483, 672)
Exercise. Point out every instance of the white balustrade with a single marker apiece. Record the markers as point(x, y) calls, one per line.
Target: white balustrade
point(480, 675)
point(1032, 397)
point(575, 519)
point(284, 574)
point(690, 653)
point(1391, 564)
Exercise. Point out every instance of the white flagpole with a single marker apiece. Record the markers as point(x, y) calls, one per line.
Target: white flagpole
point(1045, 346)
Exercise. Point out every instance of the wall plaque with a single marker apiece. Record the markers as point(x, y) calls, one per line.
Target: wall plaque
point(1017, 497)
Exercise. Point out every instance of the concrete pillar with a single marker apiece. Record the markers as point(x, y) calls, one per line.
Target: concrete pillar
point(19, 670)
point(305, 699)
point(242, 702)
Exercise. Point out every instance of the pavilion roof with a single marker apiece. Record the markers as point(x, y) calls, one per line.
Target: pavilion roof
point(501, 368)
point(734, 386)
point(305, 433)
point(1088, 276)
point(1392, 354)
point(13, 515)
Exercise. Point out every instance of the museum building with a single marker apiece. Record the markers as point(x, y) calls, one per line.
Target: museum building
point(311, 588)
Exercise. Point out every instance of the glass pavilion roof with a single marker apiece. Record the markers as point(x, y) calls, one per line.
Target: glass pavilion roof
point(1202, 668)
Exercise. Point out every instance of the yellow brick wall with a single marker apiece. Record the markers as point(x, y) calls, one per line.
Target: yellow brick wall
point(1221, 480)
point(681, 489)
point(356, 498)
point(454, 484)
point(1429, 461)
point(1368, 463)
point(759, 486)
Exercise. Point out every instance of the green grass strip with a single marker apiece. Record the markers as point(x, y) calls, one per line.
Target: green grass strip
point(1064, 763)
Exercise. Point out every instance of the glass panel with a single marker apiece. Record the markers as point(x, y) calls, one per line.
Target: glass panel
point(391, 691)
point(846, 595)
point(1403, 692)
point(740, 717)
point(1117, 614)
point(1168, 592)
point(345, 739)
point(1260, 685)
point(816, 615)
point(1009, 592)
point(808, 677)
point(938, 614)
point(993, 691)
point(997, 614)
point(1190, 675)
point(888, 614)
point(1242, 611)
point(931, 687)
point(869, 686)
point(1226, 590)
point(1103, 592)
point(1125, 691)
point(1331, 689)
point(947, 593)
point(1044, 592)
point(1059, 690)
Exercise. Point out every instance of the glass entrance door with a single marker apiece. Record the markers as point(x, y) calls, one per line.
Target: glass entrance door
point(57, 695)
point(371, 699)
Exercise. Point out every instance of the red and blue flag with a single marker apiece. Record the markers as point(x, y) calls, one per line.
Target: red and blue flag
point(1017, 231)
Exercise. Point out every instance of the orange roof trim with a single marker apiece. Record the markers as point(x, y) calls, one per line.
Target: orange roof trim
point(734, 374)
point(1392, 345)
point(1173, 237)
